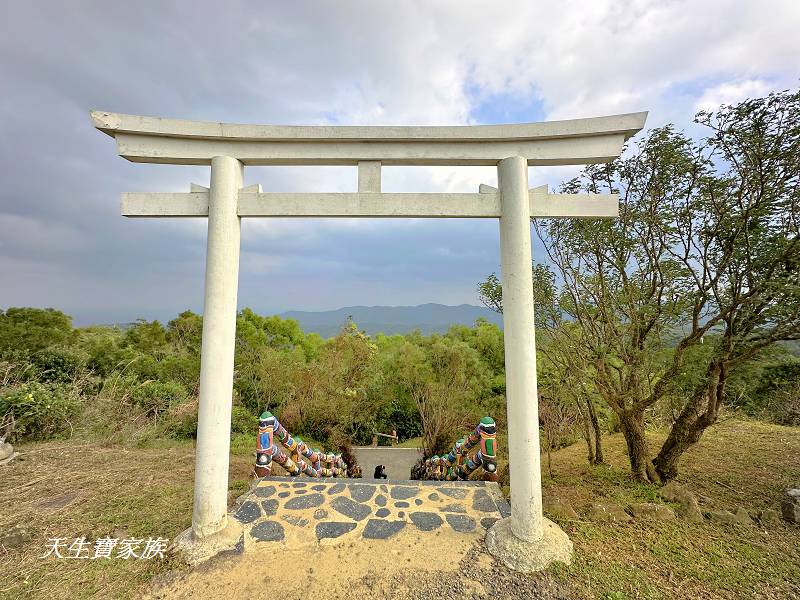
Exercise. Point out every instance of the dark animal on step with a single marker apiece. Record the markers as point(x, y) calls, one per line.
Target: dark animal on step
point(380, 472)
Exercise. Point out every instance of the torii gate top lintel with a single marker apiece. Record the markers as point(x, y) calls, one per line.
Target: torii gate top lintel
point(174, 141)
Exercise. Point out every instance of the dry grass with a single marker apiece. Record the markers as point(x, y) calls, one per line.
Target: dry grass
point(67, 489)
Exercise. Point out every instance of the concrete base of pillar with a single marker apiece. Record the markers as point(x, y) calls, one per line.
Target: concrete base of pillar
point(524, 556)
point(199, 549)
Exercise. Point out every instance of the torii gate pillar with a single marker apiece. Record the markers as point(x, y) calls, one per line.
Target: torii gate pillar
point(526, 541)
point(212, 455)
point(520, 349)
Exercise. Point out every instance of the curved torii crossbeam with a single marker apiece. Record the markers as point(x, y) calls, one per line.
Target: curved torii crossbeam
point(227, 148)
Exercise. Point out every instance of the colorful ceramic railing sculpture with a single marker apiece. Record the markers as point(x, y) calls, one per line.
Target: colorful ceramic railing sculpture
point(459, 463)
point(317, 463)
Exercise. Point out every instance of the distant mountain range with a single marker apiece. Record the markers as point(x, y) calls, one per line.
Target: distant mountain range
point(428, 318)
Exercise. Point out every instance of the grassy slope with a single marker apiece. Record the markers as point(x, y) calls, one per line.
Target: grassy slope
point(411, 443)
point(737, 463)
point(68, 489)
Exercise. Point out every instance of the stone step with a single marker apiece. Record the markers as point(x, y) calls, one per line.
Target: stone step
point(298, 512)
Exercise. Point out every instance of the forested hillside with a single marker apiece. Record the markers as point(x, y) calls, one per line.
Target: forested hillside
point(427, 318)
point(141, 383)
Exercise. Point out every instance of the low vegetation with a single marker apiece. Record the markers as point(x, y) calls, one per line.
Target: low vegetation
point(75, 489)
point(139, 383)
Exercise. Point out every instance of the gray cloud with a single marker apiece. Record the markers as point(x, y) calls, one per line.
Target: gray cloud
point(63, 243)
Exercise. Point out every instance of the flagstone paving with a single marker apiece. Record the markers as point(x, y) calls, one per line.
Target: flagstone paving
point(285, 511)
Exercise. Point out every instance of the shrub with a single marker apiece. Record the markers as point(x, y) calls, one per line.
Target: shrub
point(181, 421)
point(39, 411)
point(360, 430)
point(243, 421)
point(403, 416)
point(146, 337)
point(58, 365)
point(184, 368)
point(768, 389)
point(783, 406)
point(145, 367)
point(155, 397)
point(15, 369)
point(104, 350)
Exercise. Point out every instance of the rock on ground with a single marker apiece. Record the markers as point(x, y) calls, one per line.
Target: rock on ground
point(610, 513)
point(790, 507)
point(652, 512)
point(558, 508)
point(16, 537)
point(722, 517)
point(6, 450)
point(768, 518)
point(7, 453)
point(689, 509)
point(742, 517)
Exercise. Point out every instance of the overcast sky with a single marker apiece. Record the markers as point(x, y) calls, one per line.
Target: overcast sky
point(63, 243)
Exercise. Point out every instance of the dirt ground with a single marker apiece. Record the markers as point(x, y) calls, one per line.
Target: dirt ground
point(365, 570)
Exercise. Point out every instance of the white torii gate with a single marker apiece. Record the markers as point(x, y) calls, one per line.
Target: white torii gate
point(525, 540)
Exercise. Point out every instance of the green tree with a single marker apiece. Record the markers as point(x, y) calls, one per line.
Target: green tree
point(707, 242)
point(33, 329)
point(147, 337)
point(739, 241)
point(563, 366)
point(185, 331)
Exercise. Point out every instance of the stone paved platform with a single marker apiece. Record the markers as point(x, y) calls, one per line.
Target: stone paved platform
point(297, 512)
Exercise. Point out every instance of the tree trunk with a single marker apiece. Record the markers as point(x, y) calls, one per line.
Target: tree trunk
point(698, 414)
point(587, 435)
point(587, 432)
point(598, 440)
point(684, 433)
point(632, 426)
